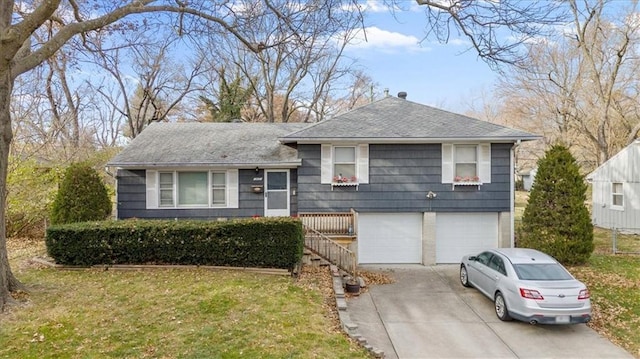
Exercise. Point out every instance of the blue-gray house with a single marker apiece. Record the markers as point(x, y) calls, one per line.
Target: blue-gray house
point(426, 185)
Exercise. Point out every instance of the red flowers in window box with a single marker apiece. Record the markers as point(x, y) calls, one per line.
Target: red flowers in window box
point(340, 179)
point(466, 179)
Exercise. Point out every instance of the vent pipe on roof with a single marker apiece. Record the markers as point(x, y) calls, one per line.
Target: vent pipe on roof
point(402, 95)
point(386, 92)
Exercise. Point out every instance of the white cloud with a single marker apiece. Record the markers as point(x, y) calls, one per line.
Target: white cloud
point(374, 38)
point(375, 6)
point(380, 6)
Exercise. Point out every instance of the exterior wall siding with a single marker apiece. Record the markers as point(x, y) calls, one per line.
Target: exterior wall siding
point(627, 219)
point(400, 176)
point(621, 168)
point(132, 199)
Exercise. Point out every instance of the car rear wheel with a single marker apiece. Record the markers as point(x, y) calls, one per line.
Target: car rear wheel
point(501, 307)
point(464, 276)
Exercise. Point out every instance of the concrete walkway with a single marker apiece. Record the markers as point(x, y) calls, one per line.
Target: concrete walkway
point(426, 313)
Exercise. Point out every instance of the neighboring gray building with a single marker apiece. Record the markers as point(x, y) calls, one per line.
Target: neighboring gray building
point(616, 191)
point(428, 185)
point(528, 177)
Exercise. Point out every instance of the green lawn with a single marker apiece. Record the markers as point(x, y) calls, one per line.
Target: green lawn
point(614, 281)
point(173, 313)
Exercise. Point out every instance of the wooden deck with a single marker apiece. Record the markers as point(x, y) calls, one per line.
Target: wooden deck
point(333, 224)
point(329, 234)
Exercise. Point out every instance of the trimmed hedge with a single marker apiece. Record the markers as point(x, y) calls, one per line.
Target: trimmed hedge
point(263, 242)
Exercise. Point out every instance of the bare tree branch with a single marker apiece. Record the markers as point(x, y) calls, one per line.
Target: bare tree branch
point(496, 29)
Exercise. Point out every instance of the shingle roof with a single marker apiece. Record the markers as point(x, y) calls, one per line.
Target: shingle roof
point(194, 144)
point(397, 120)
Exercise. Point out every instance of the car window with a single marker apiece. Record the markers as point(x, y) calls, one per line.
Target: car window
point(546, 271)
point(484, 258)
point(497, 264)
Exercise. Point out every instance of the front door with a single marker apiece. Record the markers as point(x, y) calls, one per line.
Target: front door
point(276, 194)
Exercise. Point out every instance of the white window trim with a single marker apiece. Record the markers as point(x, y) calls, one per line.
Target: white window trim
point(226, 195)
point(613, 206)
point(361, 165)
point(153, 188)
point(483, 164)
point(173, 189)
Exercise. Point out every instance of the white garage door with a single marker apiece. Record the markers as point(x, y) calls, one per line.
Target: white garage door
point(390, 238)
point(459, 234)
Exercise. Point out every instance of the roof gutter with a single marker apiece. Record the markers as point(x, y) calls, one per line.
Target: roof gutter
point(497, 139)
point(241, 165)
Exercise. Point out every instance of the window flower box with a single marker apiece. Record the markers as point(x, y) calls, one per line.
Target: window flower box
point(340, 181)
point(474, 179)
point(467, 181)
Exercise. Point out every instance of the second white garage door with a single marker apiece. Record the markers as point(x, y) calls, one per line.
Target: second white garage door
point(459, 234)
point(390, 237)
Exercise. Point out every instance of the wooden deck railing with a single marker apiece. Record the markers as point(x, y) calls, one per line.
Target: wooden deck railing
point(331, 251)
point(332, 223)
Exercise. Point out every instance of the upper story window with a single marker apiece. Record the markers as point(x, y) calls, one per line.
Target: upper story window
point(192, 189)
point(617, 195)
point(466, 163)
point(344, 165)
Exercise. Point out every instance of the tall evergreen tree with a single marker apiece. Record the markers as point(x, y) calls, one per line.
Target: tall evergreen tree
point(232, 98)
point(556, 219)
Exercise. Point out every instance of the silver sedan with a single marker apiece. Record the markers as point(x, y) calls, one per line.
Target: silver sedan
point(527, 285)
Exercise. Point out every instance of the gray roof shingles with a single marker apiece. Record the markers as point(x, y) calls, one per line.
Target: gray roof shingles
point(393, 118)
point(253, 144)
point(224, 144)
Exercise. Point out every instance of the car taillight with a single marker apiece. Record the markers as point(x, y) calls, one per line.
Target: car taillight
point(584, 294)
point(531, 294)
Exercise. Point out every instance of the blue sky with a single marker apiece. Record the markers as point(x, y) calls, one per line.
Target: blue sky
point(397, 57)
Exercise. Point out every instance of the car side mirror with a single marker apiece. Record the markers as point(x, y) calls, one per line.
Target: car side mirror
point(473, 258)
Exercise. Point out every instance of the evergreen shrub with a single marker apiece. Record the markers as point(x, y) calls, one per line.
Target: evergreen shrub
point(556, 220)
point(82, 196)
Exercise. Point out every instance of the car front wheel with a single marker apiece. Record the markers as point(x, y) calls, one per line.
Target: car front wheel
point(464, 276)
point(501, 307)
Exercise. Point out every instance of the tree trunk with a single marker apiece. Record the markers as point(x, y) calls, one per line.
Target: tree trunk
point(8, 282)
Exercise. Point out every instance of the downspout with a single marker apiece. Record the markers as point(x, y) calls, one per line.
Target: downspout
point(512, 197)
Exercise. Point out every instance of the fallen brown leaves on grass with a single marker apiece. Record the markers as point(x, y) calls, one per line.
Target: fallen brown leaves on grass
point(608, 315)
point(319, 278)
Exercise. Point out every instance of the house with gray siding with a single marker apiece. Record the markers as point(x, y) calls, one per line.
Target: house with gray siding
point(427, 186)
point(615, 189)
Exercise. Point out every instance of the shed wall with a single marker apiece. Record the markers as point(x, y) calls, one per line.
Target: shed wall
point(604, 216)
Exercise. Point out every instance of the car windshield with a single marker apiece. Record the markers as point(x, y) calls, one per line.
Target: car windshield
point(547, 271)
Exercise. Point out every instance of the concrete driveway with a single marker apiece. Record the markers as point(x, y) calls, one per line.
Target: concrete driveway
point(426, 313)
